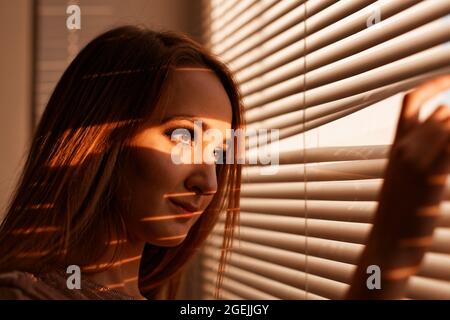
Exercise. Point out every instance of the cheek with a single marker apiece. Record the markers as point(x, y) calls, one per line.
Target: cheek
point(152, 175)
point(151, 157)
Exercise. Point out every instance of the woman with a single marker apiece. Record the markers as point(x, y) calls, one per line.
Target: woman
point(99, 189)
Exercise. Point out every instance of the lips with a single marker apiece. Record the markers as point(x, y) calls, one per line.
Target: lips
point(186, 206)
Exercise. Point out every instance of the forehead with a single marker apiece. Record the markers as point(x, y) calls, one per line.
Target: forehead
point(198, 92)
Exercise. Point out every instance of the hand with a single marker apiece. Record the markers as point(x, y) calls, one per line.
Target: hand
point(419, 162)
point(409, 200)
point(423, 146)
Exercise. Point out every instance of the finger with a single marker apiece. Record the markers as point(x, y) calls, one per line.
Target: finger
point(441, 169)
point(440, 141)
point(413, 101)
point(428, 140)
point(441, 113)
point(442, 164)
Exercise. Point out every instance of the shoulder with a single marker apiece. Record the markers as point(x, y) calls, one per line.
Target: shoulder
point(17, 285)
point(21, 285)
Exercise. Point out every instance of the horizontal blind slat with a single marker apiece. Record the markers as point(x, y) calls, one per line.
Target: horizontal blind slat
point(338, 153)
point(277, 289)
point(371, 96)
point(323, 248)
point(257, 17)
point(315, 123)
point(441, 241)
point(295, 103)
point(383, 34)
point(356, 22)
point(269, 76)
point(313, 284)
point(351, 211)
point(343, 170)
point(209, 289)
point(423, 288)
point(353, 232)
point(270, 39)
point(286, 22)
point(435, 265)
point(218, 8)
point(278, 58)
point(356, 190)
point(324, 268)
point(328, 35)
point(425, 61)
point(233, 11)
point(343, 66)
point(424, 37)
point(236, 287)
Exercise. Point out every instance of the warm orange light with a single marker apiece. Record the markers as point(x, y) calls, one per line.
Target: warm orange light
point(173, 216)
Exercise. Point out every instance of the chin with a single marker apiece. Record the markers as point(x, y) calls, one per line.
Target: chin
point(176, 241)
point(169, 244)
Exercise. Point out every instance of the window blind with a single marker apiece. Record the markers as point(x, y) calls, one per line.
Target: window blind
point(302, 66)
point(56, 46)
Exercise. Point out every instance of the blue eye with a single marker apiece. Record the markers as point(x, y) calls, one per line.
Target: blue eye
point(183, 135)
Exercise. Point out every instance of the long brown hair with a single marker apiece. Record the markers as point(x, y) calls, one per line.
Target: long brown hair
point(66, 189)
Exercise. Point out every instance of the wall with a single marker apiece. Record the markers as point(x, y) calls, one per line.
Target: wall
point(15, 88)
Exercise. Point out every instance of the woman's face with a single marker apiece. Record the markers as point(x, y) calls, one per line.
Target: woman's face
point(164, 198)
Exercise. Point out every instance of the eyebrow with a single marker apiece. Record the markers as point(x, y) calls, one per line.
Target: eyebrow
point(181, 117)
point(189, 118)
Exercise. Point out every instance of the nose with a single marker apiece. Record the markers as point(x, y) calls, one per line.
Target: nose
point(202, 179)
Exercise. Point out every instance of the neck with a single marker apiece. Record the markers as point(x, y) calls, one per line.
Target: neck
point(124, 273)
